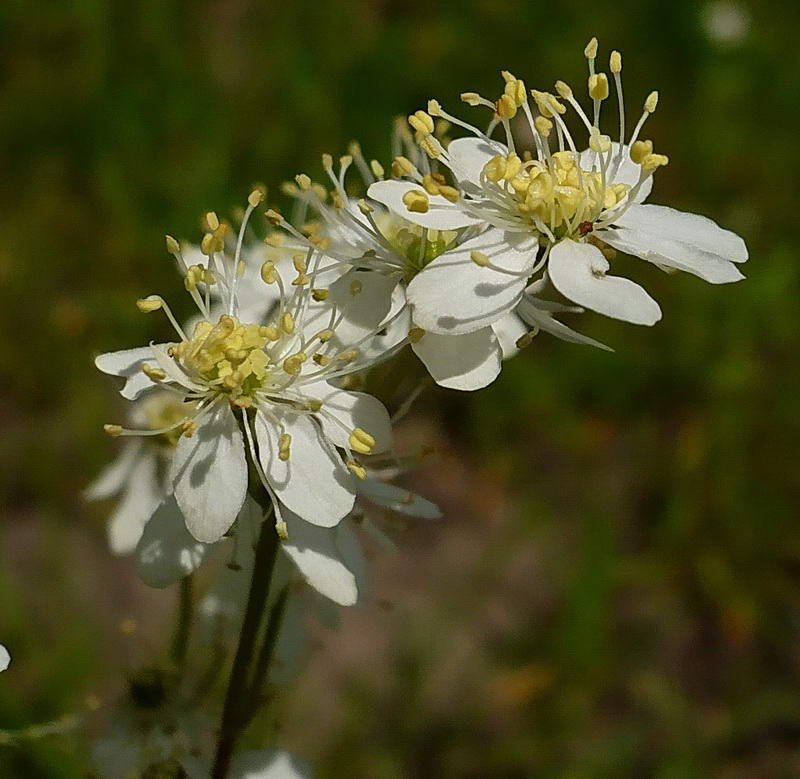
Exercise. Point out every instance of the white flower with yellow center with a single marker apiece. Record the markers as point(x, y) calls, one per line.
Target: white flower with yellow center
point(255, 389)
point(577, 206)
point(384, 252)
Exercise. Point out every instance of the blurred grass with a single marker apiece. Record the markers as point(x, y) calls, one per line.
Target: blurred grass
point(645, 562)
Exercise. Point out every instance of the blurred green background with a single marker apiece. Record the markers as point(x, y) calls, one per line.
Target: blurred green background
point(615, 588)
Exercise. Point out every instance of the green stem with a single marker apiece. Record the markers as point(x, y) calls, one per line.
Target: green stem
point(180, 645)
point(271, 632)
point(233, 716)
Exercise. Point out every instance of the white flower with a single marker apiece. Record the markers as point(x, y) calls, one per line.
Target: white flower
point(549, 209)
point(138, 474)
point(383, 252)
point(5, 658)
point(255, 389)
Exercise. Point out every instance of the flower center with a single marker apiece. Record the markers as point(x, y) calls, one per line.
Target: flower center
point(556, 192)
point(228, 356)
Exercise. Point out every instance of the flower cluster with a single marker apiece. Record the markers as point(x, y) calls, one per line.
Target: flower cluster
point(457, 254)
point(463, 251)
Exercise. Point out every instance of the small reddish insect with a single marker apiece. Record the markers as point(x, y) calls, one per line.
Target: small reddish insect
point(584, 228)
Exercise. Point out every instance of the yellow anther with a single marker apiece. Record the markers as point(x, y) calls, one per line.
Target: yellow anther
point(547, 103)
point(243, 402)
point(640, 150)
point(471, 98)
point(449, 193)
point(270, 332)
point(314, 405)
point(432, 183)
point(284, 446)
point(415, 335)
point(434, 109)
point(303, 181)
point(319, 191)
point(208, 244)
point(359, 470)
point(212, 220)
point(402, 166)
point(431, 147)
point(416, 200)
point(188, 428)
point(115, 431)
point(543, 126)
point(590, 52)
point(506, 107)
point(173, 247)
point(154, 374)
point(320, 294)
point(290, 189)
point(287, 323)
point(276, 240)
point(651, 102)
point(282, 529)
point(564, 89)
point(269, 273)
point(525, 340)
point(346, 160)
point(273, 217)
point(361, 441)
point(299, 262)
point(514, 89)
point(514, 166)
point(256, 197)
point(150, 303)
point(294, 363)
point(479, 258)
point(327, 161)
point(321, 360)
point(348, 356)
point(495, 169)
point(653, 161)
point(615, 62)
point(421, 122)
point(598, 86)
point(364, 207)
point(377, 169)
point(599, 143)
point(356, 286)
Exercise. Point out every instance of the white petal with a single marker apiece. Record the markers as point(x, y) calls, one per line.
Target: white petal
point(465, 362)
point(140, 499)
point(315, 552)
point(537, 315)
point(578, 272)
point(666, 253)
point(167, 551)
point(351, 409)
point(364, 311)
point(266, 764)
point(508, 330)
point(680, 240)
point(454, 295)
point(174, 372)
point(468, 156)
point(128, 364)
point(398, 499)
point(5, 658)
point(441, 213)
point(313, 482)
point(210, 471)
point(113, 478)
point(628, 172)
